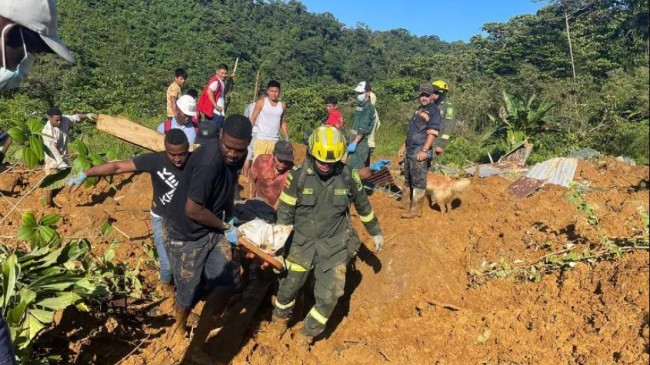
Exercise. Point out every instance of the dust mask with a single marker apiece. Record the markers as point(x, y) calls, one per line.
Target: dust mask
point(361, 98)
point(11, 79)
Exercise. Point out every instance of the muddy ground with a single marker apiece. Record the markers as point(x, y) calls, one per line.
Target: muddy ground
point(410, 304)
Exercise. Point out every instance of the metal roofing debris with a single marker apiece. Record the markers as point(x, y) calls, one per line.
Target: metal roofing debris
point(519, 154)
point(584, 154)
point(558, 171)
point(497, 168)
point(524, 186)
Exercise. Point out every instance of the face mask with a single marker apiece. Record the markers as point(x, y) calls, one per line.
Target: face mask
point(361, 98)
point(11, 79)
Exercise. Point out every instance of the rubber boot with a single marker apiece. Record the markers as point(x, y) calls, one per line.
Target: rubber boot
point(303, 341)
point(277, 328)
point(406, 199)
point(177, 331)
point(416, 205)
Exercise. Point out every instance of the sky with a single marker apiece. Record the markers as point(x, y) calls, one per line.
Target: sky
point(452, 20)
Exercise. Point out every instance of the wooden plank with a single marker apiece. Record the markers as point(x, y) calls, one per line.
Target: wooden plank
point(131, 132)
point(263, 255)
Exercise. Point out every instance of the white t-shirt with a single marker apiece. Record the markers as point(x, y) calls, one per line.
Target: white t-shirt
point(221, 101)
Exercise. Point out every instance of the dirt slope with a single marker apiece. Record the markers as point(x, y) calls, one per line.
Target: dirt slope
point(412, 303)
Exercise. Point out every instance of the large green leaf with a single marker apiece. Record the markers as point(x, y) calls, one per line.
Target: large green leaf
point(35, 126)
point(10, 271)
point(42, 316)
point(37, 147)
point(46, 233)
point(49, 219)
point(15, 315)
point(29, 157)
point(75, 249)
point(25, 233)
point(16, 134)
point(34, 325)
point(60, 302)
point(29, 219)
point(80, 147)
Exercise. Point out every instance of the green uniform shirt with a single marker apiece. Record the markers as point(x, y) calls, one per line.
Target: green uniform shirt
point(363, 121)
point(320, 212)
point(448, 123)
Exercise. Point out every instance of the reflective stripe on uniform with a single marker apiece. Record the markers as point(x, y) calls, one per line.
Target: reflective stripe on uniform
point(317, 316)
point(284, 306)
point(367, 218)
point(292, 266)
point(445, 136)
point(288, 199)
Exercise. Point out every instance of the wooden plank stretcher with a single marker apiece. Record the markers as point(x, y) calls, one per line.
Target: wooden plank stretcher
point(132, 132)
point(261, 254)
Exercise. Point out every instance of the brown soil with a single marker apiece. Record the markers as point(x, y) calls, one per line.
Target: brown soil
point(411, 303)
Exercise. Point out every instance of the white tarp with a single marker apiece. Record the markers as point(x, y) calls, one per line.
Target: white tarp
point(269, 237)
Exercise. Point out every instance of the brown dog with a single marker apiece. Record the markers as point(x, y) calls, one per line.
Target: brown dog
point(442, 190)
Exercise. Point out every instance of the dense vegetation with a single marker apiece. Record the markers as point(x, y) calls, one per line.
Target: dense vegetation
point(127, 51)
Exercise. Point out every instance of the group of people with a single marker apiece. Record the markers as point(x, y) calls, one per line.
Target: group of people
point(192, 211)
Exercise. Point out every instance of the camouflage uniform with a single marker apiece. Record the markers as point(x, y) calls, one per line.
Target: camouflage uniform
point(323, 240)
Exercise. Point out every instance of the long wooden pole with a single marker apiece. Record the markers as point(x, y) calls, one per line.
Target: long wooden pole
point(568, 35)
point(257, 85)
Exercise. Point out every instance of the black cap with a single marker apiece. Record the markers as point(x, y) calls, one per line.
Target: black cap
point(283, 150)
point(207, 132)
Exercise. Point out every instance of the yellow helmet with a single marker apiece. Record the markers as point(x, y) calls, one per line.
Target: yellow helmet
point(441, 85)
point(327, 144)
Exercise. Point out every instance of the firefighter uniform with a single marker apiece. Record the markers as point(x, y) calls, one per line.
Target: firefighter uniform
point(448, 124)
point(323, 239)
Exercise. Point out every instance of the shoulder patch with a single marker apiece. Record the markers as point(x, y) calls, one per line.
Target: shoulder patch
point(357, 179)
point(307, 191)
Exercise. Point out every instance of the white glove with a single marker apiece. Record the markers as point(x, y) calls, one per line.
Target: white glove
point(91, 116)
point(379, 242)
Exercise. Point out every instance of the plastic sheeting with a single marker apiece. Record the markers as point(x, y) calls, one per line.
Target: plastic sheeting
point(269, 237)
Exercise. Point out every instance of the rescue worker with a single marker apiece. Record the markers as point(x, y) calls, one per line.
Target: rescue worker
point(363, 123)
point(316, 201)
point(422, 130)
point(440, 98)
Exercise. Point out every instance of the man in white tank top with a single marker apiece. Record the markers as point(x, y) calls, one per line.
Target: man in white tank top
point(268, 119)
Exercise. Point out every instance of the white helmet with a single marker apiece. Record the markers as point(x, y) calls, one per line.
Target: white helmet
point(187, 105)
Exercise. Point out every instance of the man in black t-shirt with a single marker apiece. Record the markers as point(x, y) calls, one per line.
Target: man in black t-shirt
point(165, 169)
point(198, 223)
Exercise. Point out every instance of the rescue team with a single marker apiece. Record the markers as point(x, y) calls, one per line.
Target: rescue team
point(192, 208)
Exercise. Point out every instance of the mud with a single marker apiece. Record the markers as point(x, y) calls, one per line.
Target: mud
point(411, 303)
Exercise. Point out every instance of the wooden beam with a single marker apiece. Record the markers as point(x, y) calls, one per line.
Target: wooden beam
point(132, 132)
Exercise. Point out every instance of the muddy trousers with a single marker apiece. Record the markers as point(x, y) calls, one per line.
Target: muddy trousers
point(329, 287)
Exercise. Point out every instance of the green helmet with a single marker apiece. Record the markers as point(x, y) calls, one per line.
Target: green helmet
point(441, 85)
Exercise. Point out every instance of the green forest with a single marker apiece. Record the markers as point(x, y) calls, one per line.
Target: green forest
point(586, 58)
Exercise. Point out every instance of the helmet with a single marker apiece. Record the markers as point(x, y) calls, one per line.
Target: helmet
point(327, 144)
point(441, 85)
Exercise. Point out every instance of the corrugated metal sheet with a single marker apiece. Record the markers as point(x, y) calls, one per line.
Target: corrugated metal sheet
point(558, 171)
point(498, 168)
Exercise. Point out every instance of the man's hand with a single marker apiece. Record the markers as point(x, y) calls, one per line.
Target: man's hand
point(379, 165)
point(421, 156)
point(379, 242)
point(77, 180)
point(352, 147)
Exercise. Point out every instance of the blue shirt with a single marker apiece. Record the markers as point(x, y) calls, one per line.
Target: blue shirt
point(188, 129)
point(416, 134)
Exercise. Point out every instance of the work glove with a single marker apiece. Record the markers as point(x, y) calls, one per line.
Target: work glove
point(352, 147)
point(77, 180)
point(379, 242)
point(286, 138)
point(379, 165)
point(232, 233)
point(91, 116)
